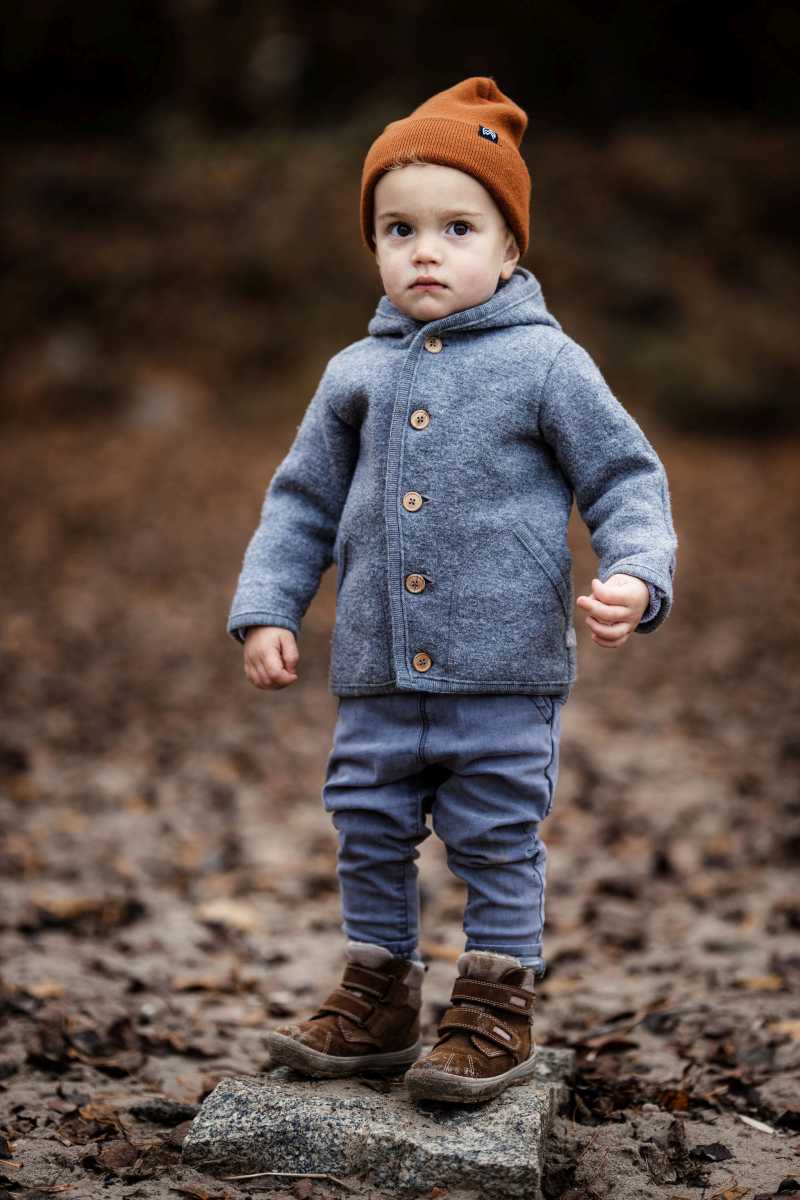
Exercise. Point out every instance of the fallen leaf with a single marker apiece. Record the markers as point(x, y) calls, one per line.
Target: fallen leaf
point(125, 1063)
point(103, 1114)
point(177, 1134)
point(760, 983)
point(232, 914)
point(239, 1014)
point(205, 983)
point(561, 986)
point(118, 1156)
point(48, 989)
point(673, 1099)
point(111, 1045)
point(610, 1042)
point(92, 915)
point(790, 1027)
point(281, 1004)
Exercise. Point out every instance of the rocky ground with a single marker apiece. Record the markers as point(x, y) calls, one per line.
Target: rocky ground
point(169, 888)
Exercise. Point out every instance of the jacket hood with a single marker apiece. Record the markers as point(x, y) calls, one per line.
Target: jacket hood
point(519, 301)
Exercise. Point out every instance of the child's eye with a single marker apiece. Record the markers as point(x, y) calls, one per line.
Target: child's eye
point(401, 224)
point(465, 225)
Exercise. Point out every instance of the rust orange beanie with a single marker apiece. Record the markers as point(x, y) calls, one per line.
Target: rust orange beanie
point(472, 126)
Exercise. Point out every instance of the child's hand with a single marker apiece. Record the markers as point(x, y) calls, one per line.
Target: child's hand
point(615, 608)
point(270, 656)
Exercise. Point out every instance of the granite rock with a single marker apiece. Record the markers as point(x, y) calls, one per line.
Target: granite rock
point(368, 1130)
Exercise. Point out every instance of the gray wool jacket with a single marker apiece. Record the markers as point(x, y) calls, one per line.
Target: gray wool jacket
point(436, 465)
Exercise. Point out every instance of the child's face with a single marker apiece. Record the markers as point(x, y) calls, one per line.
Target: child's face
point(438, 222)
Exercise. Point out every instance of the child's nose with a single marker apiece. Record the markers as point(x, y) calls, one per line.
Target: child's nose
point(427, 248)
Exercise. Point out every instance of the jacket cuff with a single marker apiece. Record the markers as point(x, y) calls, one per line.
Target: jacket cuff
point(656, 612)
point(239, 625)
point(654, 605)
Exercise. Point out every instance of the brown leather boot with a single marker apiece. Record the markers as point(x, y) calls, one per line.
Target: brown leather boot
point(370, 1022)
point(486, 1036)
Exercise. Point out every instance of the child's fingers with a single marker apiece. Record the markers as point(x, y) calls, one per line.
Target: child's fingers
point(617, 590)
point(620, 589)
point(613, 632)
point(606, 644)
point(289, 650)
point(258, 677)
point(603, 612)
point(256, 672)
point(273, 663)
point(266, 669)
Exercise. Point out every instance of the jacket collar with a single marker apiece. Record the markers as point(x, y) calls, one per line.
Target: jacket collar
point(519, 301)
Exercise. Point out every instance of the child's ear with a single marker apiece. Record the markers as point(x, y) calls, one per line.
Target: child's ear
point(511, 256)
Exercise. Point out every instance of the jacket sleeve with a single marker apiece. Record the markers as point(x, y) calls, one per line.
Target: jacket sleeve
point(619, 481)
point(293, 543)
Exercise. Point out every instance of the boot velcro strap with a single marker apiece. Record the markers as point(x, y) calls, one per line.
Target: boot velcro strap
point(500, 995)
point(479, 1022)
point(376, 984)
point(347, 1005)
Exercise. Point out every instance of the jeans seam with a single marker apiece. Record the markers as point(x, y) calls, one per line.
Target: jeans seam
point(538, 873)
point(547, 771)
point(423, 716)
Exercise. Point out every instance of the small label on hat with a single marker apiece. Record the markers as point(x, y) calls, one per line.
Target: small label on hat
point(490, 134)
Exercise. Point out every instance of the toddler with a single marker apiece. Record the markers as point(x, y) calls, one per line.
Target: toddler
point(436, 465)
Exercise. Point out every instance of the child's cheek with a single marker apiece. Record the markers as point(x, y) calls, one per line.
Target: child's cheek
point(474, 274)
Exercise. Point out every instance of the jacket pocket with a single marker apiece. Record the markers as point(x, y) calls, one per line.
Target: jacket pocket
point(510, 612)
point(558, 575)
point(360, 641)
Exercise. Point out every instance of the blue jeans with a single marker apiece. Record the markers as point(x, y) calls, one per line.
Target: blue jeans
point(485, 767)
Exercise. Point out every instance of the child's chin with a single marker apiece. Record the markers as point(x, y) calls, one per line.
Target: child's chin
point(435, 303)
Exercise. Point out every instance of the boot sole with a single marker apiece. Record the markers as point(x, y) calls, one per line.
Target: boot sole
point(285, 1051)
point(460, 1089)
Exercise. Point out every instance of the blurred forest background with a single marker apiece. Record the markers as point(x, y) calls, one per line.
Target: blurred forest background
point(180, 256)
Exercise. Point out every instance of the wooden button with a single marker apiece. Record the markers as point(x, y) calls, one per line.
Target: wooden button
point(412, 501)
point(415, 583)
point(433, 344)
point(419, 418)
point(422, 661)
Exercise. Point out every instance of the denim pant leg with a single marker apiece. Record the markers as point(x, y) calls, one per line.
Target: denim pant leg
point(503, 754)
point(375, 788)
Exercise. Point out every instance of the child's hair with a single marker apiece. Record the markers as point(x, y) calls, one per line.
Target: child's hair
point(409, 161)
